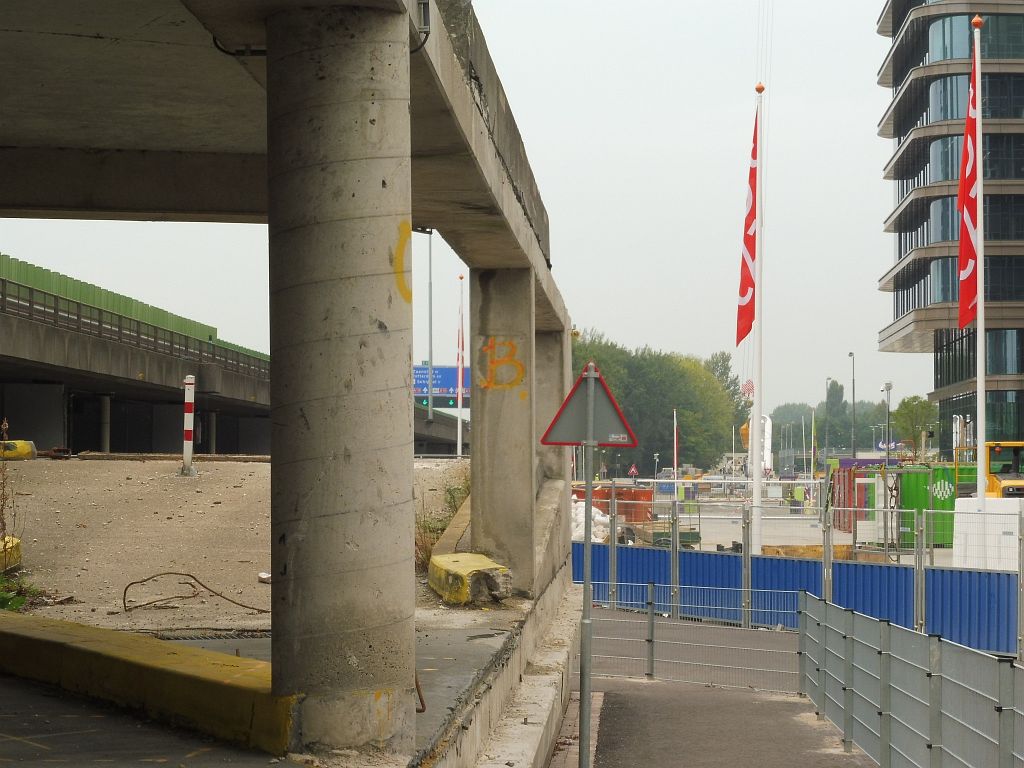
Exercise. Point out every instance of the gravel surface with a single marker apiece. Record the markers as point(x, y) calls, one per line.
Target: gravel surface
point(89, 528)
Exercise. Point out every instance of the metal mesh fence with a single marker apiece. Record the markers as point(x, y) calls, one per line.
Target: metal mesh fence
point(697, 635)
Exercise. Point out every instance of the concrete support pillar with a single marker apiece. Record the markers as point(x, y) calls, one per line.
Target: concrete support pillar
point(553, 358)
point(339, 193)
point(553, 539)
point(211, 426)
point(504, 473)
point(105, 423)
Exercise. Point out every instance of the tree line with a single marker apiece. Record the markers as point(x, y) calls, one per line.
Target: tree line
point(711, 409)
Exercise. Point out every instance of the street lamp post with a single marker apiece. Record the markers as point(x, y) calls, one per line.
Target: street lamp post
point(656, 455)
point(887, 389)
point(853, 404)
point(824, 465)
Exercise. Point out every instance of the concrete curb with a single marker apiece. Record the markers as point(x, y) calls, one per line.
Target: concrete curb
point(224, 696)
point(530, 671)
point(200, 457)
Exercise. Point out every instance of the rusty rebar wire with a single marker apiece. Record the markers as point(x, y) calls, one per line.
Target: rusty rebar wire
point(195, 593)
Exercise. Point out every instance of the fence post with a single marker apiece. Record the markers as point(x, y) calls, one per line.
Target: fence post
point(650, 630)
point(935, 701)
point(822, 668)
point(826, 551)
point(801, 654)
point(1020, 586)
point(848, 650)
point(1007, 714)
point(919, 596)
point(746, 579)
point(885, 693)
point(675, 557)
point(613, 550)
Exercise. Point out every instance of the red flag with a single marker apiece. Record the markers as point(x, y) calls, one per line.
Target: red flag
point(745, 310)
point(967, 205)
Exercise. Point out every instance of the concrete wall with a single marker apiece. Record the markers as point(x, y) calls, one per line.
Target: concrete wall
point(35, 412)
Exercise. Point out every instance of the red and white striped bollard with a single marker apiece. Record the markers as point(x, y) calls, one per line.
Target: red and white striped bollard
point(190, 407)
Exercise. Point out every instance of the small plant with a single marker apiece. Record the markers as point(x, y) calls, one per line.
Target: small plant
point(16, 593)
point(430, 527)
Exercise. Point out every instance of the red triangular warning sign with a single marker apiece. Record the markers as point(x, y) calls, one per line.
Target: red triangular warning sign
point(569, 427)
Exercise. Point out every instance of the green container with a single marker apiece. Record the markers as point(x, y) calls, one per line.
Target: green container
point(931, 488)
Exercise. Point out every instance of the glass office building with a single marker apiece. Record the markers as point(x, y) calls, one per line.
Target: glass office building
point(927, 69)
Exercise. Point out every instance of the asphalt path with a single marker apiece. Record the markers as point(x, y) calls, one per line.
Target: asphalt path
point(661, 724)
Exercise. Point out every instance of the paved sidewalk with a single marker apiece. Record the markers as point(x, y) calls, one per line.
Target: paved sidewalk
point(656, 724)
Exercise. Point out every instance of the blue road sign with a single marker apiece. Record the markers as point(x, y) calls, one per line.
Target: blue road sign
point(445, 380)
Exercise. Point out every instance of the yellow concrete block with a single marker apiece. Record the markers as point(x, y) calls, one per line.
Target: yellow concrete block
point(225, 696)
point(10, 554)
point(462, 578)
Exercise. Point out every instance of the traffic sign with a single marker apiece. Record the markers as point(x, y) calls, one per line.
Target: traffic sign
point(633, 471)
point(569, 427)
point(446, 380)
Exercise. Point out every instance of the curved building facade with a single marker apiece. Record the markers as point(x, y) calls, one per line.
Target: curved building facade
point(927, 69)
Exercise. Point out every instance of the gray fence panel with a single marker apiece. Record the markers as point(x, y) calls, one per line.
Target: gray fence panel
point(866, 686)
point(835, 652)
point(909, 697)
point(814, 647)
point(1018, 716)
point(970, 723)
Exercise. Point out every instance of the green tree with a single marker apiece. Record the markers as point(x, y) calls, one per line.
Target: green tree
point(912, 417)
point(648, 384)
point(720, 366)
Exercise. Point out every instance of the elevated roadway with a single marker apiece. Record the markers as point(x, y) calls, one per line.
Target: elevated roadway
point(342, 125)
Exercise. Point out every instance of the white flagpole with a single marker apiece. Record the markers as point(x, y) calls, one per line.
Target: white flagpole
point(461, 357)
point(979, 429)
point(756, 448)
point(675, 450)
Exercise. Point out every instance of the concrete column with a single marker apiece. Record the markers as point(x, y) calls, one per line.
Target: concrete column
point(552, 539)
point(504, 473)
point(339, 200)
point(105, 423)
point(211, 426)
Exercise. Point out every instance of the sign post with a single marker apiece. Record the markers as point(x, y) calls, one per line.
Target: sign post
point(589, 417)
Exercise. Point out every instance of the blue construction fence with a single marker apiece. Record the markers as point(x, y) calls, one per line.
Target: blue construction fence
point(974, 608)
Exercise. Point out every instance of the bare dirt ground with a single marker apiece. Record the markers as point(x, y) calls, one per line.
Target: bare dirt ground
point(89, 528)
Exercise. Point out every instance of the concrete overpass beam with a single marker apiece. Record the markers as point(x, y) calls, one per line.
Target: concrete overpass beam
point(504, 396)
point(339, 194)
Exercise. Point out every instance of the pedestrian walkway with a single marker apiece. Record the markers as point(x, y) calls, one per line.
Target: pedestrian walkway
point(658, 724)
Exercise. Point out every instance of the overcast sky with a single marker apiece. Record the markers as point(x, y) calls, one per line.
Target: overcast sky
point(637, 121)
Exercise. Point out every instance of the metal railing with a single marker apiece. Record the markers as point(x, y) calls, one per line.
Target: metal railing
point(705, 636)
point(43, 307)
point(907, 698)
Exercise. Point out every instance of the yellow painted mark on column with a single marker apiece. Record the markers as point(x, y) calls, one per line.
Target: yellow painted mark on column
point(398, 260)
point(503, 354)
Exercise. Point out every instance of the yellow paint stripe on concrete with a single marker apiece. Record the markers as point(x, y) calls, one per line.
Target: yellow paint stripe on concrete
point(225, 696)
point(450, 575)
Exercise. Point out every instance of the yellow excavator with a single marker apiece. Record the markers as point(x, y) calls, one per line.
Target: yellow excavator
point(1005, 478)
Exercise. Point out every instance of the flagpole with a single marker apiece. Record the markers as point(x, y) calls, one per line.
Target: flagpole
point(461, 356)
point(756, 448)
point(675, 450)
point(982, 458)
